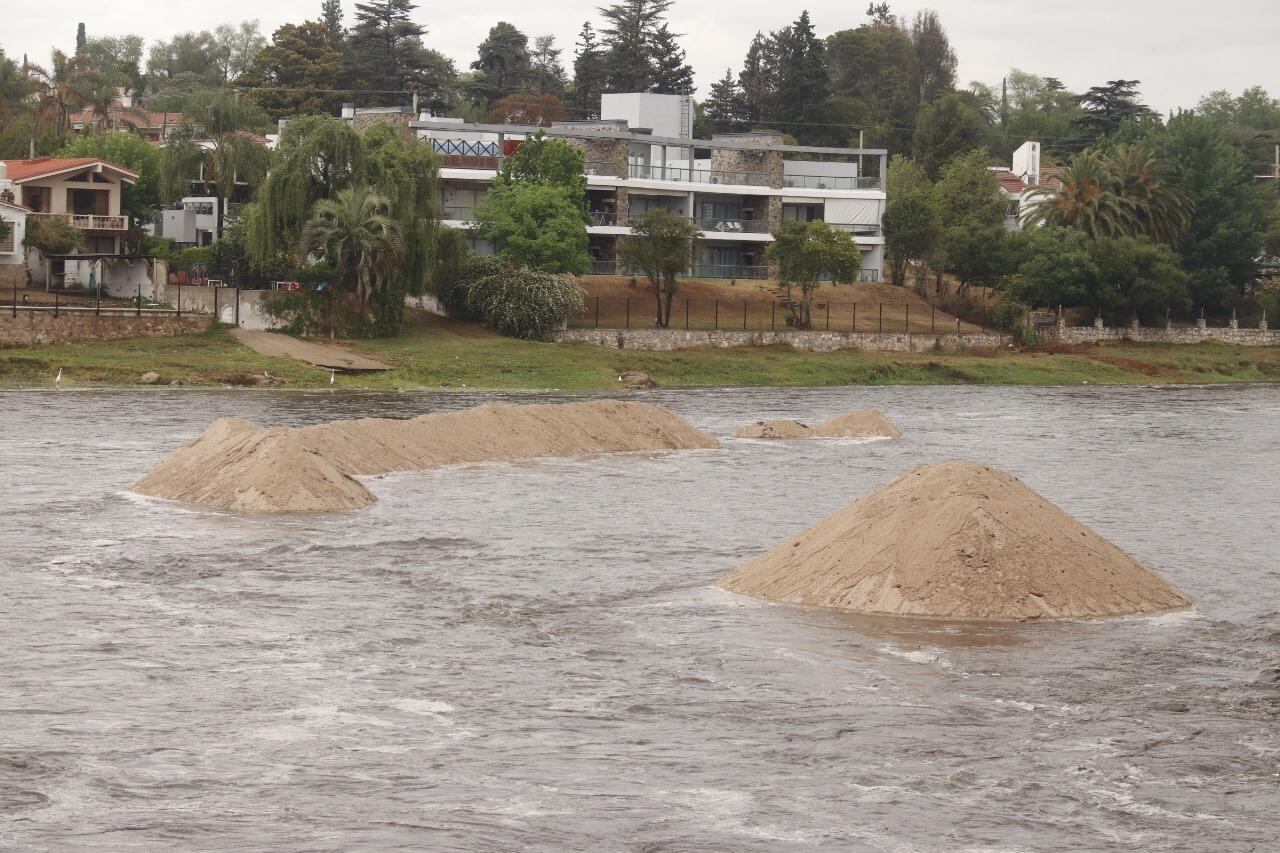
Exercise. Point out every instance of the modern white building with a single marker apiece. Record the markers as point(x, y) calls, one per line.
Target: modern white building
point(738, 188)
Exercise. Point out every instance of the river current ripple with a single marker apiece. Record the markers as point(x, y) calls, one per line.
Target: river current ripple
point(532, 657)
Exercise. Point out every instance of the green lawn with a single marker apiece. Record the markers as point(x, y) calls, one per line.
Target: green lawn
point(434, 353)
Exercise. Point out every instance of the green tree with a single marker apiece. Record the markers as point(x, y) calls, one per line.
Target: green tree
point(504, 65)
point(1106, 108)
point(331, 18)
point(875, 65)
point(520, 302)
point(968, 193)
point(589, 74)
point(290, 76)
point(535, 225)
point(802, 82)
point(51, 235)
point(385, 54)
point(354, 232)
point(1088, 199)
point(807, 252)
point(315, 157)
point(1124, 192)
point(661, 245)
point(628, 40)
point(947, 128)
point(214, 150)
point(547, 71)
point(1231, 210)
point(935, 65)
point(672, 74)
point(912, 231)
point(234, 49)
point(724, 105)
point(545, 160)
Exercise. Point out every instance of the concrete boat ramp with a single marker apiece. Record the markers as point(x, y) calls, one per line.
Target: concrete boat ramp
point(321, 355)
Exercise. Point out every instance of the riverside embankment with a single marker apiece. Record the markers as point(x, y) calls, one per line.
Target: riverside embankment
point(437, 353)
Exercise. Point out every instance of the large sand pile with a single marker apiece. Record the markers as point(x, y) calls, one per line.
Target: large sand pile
point(238, 465)
point(956, 540)
point(858, 424)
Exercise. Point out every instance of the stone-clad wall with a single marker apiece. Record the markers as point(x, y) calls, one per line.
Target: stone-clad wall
point(605, 156)
point(1143, 335)
point(745, 160)
point(33, 328)
point(677, 339)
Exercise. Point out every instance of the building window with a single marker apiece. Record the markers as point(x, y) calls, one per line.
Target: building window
point(802, 213)
point(7, 242)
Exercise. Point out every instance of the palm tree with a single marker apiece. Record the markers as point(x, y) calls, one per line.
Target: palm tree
point(1089, 199)
point(354, 232)
point(1162, 210)
point(215, 148)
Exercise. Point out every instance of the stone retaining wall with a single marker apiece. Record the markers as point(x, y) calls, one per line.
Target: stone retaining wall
point(1140, 334)
point(677, 339)
point(33, 328)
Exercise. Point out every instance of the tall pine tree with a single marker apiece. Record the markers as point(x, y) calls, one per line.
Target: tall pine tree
point(724, 105)
point(672, 75)
point(588, 74)
point(331, 17)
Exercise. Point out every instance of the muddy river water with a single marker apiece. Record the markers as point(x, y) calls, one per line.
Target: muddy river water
point(532, 656)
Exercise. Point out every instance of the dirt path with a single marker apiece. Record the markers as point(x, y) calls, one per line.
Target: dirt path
point(321, 355)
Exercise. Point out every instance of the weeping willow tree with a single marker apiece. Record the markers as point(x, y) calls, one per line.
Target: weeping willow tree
point(318, 158)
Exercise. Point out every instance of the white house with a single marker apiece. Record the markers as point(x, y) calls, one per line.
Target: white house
point(1026, 172)
point(737, 188)
point(88, 193)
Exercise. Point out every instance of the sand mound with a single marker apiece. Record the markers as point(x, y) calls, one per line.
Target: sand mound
point(774, 429)
point(956, 540)
point(238, 465)
point(864, 424)
point(860, 424)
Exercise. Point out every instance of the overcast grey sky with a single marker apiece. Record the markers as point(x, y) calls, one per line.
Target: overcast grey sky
point(1180, 49)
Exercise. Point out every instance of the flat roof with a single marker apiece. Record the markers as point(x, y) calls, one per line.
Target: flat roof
point(581, 130)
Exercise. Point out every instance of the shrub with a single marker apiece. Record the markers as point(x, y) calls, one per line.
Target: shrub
point(52, 235)
point(518, 301)
point(1008, 316)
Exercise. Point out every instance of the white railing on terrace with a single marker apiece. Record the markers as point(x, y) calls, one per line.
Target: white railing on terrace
point(91, 222)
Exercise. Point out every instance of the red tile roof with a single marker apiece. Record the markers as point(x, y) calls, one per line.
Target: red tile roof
point(25, 170)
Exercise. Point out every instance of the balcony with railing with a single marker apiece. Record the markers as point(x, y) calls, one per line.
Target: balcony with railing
point(732, 226)
point(458, 214)
point(832, 182)
point(698, 176)
point(90, 222)
point(733, 271)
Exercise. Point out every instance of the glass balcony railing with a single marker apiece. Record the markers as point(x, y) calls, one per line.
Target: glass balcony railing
point(730, 271)
point(458, 214)
point(832, 182)
point(732, 226)
point(698, 176)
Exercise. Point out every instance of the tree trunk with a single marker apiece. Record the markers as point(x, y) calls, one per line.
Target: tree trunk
point(657, 301)
point(671, 292)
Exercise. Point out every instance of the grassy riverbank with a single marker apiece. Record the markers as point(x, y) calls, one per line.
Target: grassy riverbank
point(436, 353)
